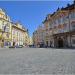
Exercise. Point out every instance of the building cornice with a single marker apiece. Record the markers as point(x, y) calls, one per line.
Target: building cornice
point(14, 26)
point(5, 20)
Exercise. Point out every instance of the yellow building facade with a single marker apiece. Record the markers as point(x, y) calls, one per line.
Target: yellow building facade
point(19, 35)
point(5, 29)
point(12, 33)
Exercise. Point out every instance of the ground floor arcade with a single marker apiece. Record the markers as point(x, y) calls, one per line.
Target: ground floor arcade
point(61, 40)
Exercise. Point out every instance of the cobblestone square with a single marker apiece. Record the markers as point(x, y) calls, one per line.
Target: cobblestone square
point(37, 61)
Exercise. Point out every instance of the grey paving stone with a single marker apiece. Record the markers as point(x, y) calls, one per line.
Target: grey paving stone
point(37, 61)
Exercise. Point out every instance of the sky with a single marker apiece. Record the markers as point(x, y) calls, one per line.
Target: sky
point(31, 14)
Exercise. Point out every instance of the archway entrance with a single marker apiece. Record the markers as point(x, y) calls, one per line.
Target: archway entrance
point(13, 43)
point(60, 42)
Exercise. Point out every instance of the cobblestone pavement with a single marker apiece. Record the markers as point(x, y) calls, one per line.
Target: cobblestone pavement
point(37, 61)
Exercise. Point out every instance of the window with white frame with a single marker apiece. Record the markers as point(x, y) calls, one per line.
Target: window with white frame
point(65, 27)
point(73, 40)
point(7, 29)
point(73, 25)
point(0, 24)
point(59, 20)
point(50, 25)
point(65, 18)
point(62, 20)
point(72, 15)
point(13, 32)
point(2, 27)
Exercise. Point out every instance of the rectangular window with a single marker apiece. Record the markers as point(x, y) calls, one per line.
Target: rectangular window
point(73, 41)
point(0, 24)
point(72, 15)
point(65, 26)
point(7, 29)
point(59, 20)
point(62, 20)
point(2, 27)
point(65, 18)
point(73, 25)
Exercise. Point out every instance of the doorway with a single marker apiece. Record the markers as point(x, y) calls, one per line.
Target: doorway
point(13, 43)
point(46, 43)
point(60, 43)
